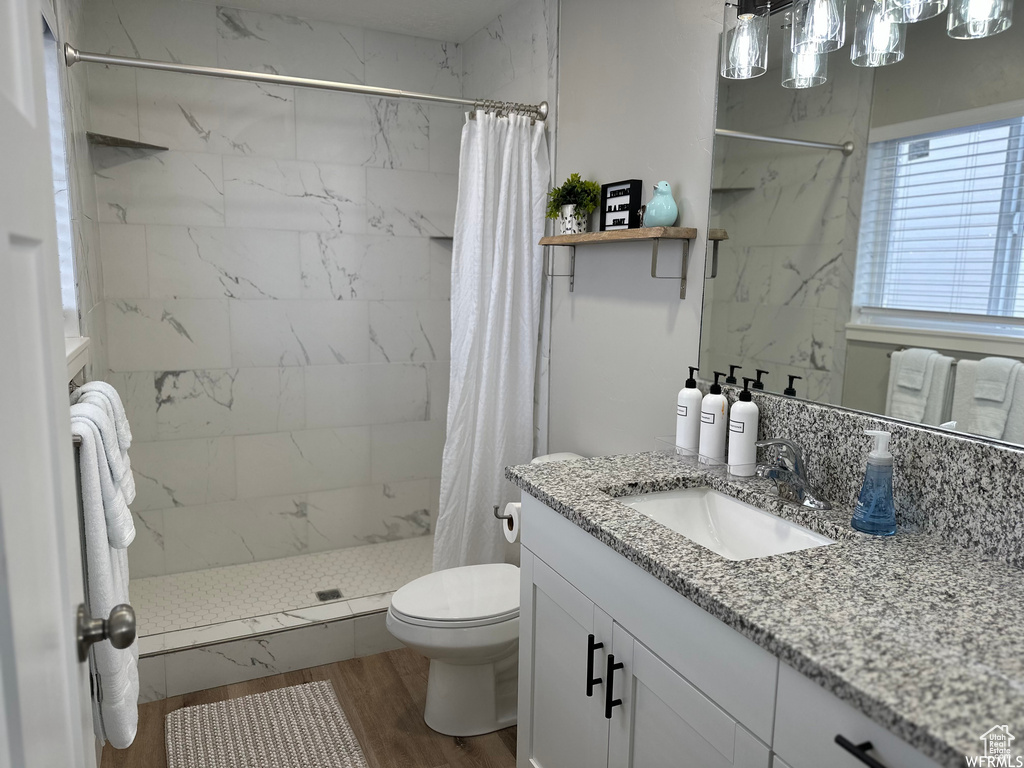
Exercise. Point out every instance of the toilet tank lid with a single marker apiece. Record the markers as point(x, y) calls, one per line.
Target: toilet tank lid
point(564, 456)
point(468, 593)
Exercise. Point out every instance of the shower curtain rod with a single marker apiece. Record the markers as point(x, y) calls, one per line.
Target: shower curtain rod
point(72, 56)
point(846, 147)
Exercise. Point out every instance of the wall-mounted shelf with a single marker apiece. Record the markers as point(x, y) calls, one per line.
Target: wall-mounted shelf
point(103, 140)
point(653, 234)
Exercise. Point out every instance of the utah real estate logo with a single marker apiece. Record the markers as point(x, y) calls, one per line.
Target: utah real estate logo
point(998, 750)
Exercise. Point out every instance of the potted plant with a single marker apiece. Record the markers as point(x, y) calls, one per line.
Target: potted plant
point(572, 203)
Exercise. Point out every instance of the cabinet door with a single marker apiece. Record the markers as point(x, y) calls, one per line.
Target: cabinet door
point(663, 720)
point(559, 725)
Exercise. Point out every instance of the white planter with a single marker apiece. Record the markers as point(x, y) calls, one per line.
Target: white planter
point(570, 222)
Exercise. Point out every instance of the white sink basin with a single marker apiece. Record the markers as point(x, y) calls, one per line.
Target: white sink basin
point(729, 527)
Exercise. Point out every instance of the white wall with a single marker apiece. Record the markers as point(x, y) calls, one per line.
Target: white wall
point(636, 100)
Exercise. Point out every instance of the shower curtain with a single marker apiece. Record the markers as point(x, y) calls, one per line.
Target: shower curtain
point(496, 293)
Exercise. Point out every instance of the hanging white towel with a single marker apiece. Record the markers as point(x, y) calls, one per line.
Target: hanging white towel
point(119, 524)
point(103, 395)
point(107, 391)
point(911, 375)
point(994, 388)
point(107, 584)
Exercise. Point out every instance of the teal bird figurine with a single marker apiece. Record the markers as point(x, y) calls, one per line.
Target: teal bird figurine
point(662, 210)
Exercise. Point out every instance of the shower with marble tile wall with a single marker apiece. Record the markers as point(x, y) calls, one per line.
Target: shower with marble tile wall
point(277, 281)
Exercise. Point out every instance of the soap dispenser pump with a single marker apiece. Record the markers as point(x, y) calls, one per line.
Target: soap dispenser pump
point(790, 391)
point(759, 384)
point(688, 416)
point(731, 378)
point(875, 512)
point(714, 413)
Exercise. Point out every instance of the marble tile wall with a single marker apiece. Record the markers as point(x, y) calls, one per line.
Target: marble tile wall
point(782, 296)
point(276, 283)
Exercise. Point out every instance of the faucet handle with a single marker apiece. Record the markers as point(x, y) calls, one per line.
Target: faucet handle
point(788, 455)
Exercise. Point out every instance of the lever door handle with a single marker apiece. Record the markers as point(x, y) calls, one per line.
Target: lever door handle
point(119, 629)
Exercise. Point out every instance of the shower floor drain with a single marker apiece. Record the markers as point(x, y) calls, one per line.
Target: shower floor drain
point(325, 595)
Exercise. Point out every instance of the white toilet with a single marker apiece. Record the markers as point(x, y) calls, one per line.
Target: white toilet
point(466, 621)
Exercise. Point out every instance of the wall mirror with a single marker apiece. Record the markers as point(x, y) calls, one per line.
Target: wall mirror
point(839, 264)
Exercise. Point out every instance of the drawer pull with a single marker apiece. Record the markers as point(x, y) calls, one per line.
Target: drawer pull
point(860, 751)
point(591, 680)
point(609, 702)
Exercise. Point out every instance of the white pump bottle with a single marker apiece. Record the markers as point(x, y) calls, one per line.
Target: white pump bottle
point(714, 415)
point(688, 417)
point(743, 423)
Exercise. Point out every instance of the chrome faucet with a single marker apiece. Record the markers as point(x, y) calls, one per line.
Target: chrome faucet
point(790, 475)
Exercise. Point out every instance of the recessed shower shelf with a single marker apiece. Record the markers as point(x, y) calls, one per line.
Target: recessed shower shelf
point(103, 140)
point(653, 234)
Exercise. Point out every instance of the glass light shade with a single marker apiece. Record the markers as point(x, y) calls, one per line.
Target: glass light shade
point(745, 46)
point(819, 26)
point(802, 70)
point(877, 41)
point(971, 19)
point(911, 11)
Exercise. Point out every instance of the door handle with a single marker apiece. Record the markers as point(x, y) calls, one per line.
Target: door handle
point(119, 629)
point(609, 691)
point(860, 751)
point(591, 680)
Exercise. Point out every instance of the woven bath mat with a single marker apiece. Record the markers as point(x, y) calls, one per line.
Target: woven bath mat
point(297, 727)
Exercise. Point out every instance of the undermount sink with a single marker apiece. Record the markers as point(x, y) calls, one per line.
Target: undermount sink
point(729, 527)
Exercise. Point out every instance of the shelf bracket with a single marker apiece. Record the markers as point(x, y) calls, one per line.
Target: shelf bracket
point(714, 260)
point(686, 263)
point(571, 274)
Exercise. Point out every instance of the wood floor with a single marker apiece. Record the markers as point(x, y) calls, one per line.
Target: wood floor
point(383, 698)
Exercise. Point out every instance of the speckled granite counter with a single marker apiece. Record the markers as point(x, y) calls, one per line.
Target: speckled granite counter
point(925, 638)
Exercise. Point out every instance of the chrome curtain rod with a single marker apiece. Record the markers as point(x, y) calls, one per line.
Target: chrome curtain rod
point(846, 147)
point(72, 56)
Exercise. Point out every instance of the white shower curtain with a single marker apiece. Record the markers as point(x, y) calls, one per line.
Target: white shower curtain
point(496, 293)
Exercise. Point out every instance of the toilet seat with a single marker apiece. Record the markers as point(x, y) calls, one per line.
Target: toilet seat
point(456, 598)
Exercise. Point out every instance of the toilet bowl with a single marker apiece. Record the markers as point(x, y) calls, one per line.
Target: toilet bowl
point(466, 621)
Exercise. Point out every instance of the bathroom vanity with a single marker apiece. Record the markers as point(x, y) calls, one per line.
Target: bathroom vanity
point(638, 646)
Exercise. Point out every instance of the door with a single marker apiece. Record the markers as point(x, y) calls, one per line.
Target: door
point(661, 719)
point(45, 714)
point(563, 641)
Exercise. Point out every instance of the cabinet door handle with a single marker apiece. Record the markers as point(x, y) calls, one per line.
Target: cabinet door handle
point(591, 680)
point(609, 702)
point(860, 751)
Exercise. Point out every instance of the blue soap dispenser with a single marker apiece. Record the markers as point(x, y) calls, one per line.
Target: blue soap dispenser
point(875, 513)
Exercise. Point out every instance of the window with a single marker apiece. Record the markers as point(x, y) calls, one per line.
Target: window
point(942, 231)
point(62, 198)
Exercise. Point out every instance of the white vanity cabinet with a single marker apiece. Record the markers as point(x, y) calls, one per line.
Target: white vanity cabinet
point(649, 711)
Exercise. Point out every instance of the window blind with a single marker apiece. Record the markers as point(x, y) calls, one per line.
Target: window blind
point(942, 227)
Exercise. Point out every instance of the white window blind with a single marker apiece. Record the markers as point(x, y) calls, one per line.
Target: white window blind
point(942, 229)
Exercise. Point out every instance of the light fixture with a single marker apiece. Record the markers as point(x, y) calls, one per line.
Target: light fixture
point(802, 70)
point(745, 41)
point(819, 26)
point(971, 19)
point(911, 11)
point(877, 40)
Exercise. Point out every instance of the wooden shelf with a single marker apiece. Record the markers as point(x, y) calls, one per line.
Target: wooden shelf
point(103, 140)
point(623, 235)
point(653, 235)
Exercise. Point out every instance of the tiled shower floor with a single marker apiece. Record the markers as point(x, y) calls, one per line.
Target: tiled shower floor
point(187, 609)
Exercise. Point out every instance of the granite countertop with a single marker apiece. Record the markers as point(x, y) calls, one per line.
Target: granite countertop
point(925, 638)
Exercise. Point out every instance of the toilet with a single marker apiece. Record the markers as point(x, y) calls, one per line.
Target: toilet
point(466, 621)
